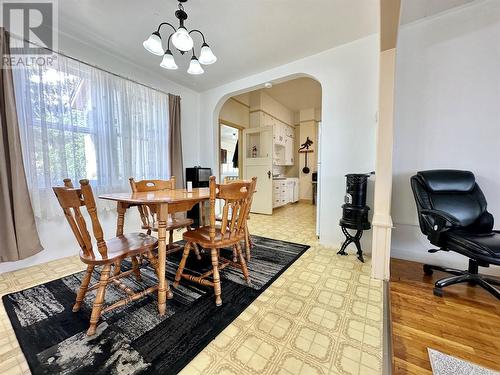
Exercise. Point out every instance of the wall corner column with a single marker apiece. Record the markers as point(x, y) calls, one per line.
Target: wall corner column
point(382, 221)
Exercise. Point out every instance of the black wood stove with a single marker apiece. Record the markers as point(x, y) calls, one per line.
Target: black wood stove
point(355, 212)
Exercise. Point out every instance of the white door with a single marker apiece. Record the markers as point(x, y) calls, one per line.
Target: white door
point(258, 162)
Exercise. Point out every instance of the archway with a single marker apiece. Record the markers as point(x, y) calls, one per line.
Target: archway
point(274, 120)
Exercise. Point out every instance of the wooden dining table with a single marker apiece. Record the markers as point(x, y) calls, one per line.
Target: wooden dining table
point(166, 202)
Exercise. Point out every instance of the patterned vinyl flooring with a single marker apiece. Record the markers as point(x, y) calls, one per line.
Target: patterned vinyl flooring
point(322, 316)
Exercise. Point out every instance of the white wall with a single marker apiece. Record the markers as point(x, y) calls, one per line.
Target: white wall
point(236, 113)
point(447, 114)
point(349, 78)
point(56, 236)
point(272, 106)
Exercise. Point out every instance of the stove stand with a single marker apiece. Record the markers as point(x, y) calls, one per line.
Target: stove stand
point(354, 212)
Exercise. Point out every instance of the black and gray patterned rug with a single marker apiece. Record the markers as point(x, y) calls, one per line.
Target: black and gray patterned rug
point(134, 339)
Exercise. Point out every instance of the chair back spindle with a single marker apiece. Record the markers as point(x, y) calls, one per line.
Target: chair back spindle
point(236, 196)
point(71, 200)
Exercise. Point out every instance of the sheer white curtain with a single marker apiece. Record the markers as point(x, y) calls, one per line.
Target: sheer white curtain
point(80, 122)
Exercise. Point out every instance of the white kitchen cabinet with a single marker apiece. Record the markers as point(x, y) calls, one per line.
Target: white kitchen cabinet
point(285, 191)
point(289, 151)
point(283, 140)
point(279, 133)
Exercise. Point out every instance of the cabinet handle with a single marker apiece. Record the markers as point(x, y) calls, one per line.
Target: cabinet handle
point(269, 174)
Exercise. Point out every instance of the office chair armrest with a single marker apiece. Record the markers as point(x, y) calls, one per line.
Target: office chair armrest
point(442, 221)
point(442, 216)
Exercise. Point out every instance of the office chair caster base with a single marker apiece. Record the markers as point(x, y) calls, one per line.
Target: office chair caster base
point(438, 292)
point(428, 270)
point(470, 276)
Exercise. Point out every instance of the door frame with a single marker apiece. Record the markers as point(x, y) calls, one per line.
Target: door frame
point(240, 146)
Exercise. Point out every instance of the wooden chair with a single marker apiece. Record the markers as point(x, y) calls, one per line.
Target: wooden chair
point(109, 252)
point(248, 239)
point(149, 215)
point(237, 198)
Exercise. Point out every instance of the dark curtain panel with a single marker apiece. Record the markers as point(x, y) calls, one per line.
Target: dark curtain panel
point(18, 234)
point(175, 139)
point(235, 155)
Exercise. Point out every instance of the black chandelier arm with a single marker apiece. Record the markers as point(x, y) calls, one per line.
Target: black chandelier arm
point(168, 41)
point(165, 23)
point(199, 32)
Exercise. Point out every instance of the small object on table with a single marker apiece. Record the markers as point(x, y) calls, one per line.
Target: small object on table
point(355, 212)
point(190, 186)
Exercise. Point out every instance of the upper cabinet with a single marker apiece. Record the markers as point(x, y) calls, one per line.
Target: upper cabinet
point(283, 139)
point(267, 112)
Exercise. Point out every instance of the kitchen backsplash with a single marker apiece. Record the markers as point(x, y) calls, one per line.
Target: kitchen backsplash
point(278, 170)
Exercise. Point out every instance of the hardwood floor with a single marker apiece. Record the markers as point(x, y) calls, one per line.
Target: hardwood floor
point(464, 323)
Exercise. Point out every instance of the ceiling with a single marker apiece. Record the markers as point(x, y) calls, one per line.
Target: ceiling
point(297, 94)
point(412, 10)
point(247, 36)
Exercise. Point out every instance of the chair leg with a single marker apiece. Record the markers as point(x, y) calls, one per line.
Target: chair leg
point(248, 244)
point(429, 268)
point(235, 254)
point(243, 264)
point(117, 268)
point(182, 264)
point(99, 300)
point(447, 281)
point(196, 251)
point(490, 288)
point(215, 265)
point(83, 288)
point(170, 239)
point(153, 261)
point(492, 281)
point(135, 267)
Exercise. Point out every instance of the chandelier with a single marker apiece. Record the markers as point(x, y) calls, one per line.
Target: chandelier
point(183, 42)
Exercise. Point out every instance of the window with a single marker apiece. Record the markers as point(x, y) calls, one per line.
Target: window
point(81, 122)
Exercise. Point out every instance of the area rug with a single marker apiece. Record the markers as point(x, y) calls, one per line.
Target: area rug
point(444, 364)
point(134, 339)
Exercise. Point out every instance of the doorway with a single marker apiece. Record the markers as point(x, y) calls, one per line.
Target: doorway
point(229, 155)
point(274, 122)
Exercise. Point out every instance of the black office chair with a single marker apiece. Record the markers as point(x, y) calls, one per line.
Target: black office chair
point(452, 214)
